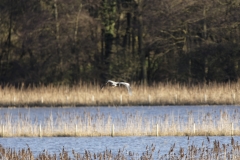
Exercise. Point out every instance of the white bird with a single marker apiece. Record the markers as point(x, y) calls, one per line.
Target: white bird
point(115, 84)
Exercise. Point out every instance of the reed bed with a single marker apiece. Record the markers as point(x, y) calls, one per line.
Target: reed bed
point(208, 151)
point(91, 95)
point(128, 124)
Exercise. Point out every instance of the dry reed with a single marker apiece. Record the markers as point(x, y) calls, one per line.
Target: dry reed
point(217, 151)
point(99, 124)
point(91, 95)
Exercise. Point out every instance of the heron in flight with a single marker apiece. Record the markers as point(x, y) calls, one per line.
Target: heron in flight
point(115, 84)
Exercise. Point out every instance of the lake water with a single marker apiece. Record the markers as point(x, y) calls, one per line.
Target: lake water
point(40, 113)
point(99, 144)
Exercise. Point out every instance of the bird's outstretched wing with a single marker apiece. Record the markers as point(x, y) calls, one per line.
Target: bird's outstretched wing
point(127, 85)
point(112, 82)
point(129, 90)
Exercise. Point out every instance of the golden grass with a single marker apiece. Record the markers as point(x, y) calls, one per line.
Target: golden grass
point(91, 95)
point(217, 151)
point(95, 125)
point(99, 124)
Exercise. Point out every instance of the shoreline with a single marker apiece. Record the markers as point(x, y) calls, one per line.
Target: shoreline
point(137, 105)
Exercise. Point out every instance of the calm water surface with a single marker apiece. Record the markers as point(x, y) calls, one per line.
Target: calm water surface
point(100, 144)
point(40, 113)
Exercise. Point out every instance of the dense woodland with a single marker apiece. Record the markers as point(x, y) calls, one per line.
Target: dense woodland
point(142, 41)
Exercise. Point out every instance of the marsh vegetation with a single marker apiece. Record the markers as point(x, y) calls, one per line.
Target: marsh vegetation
point(87, 123)
point(209, 150)
point(91, 95)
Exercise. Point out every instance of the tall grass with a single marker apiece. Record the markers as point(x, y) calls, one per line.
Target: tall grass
point(99, 124)
point(91, 95)
point(217, 151)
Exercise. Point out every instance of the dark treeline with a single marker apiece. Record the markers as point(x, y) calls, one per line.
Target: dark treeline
point(143, 41)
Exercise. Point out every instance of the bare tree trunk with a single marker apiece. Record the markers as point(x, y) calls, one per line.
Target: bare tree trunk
point(76, 26)
point(9, 39)
point(77, 75)
point(236, 40)
point(133, 36)
point(205, 38)
point(6, 51)
point(108, 33)
point(140, 45)
point(186, 49)
point(57, 35)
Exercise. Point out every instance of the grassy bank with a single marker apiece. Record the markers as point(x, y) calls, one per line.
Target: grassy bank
point(91, 95)
point(217, 151)
point(128, 124)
